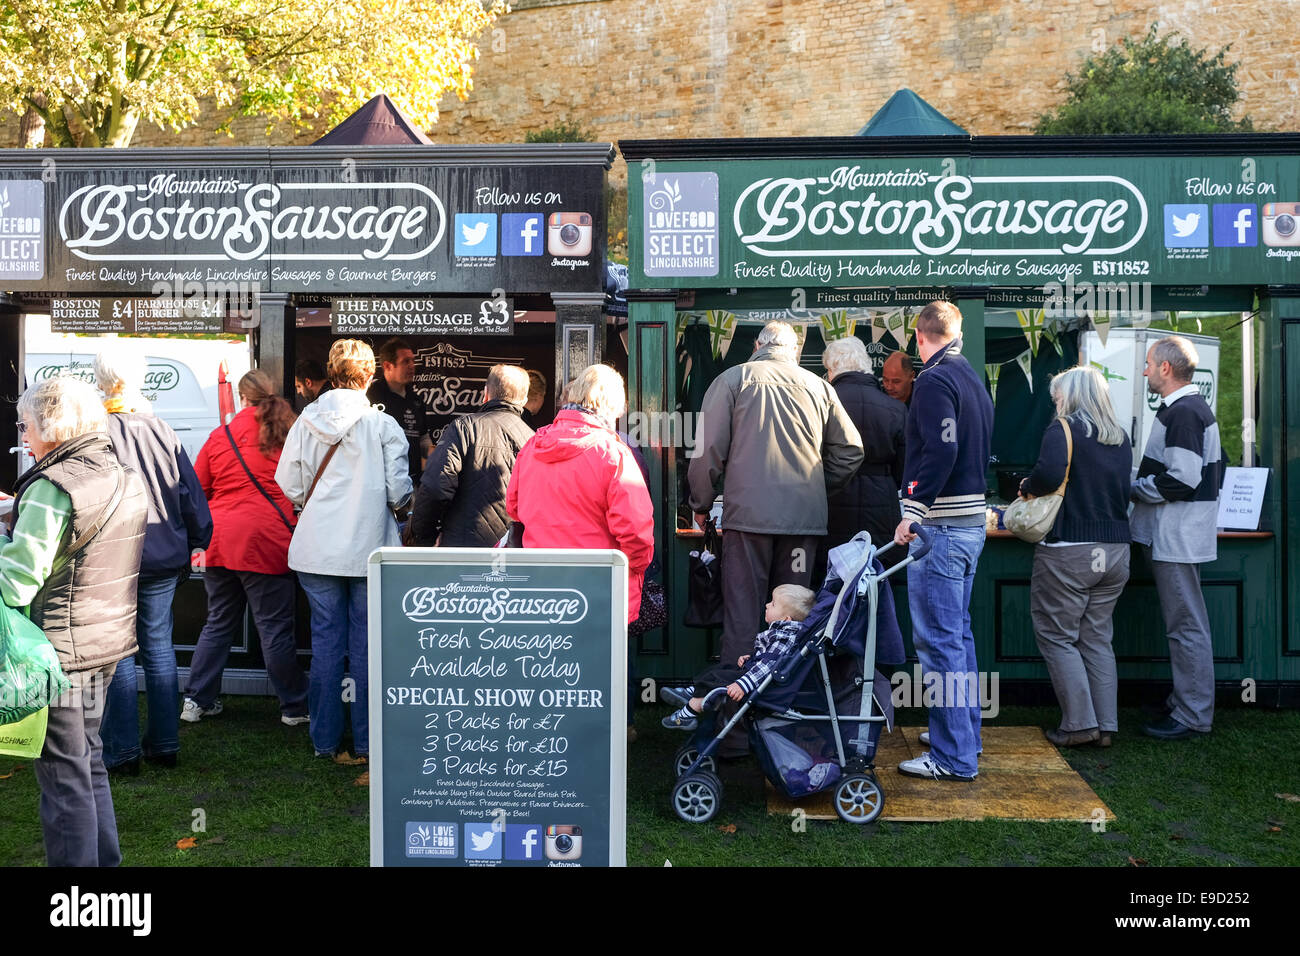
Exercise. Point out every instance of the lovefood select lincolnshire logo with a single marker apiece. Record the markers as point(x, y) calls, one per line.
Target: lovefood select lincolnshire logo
point(910, 212)
point(681, 225)
point(22, 235)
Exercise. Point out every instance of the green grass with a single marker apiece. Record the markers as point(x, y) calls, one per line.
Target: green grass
point(268, 802)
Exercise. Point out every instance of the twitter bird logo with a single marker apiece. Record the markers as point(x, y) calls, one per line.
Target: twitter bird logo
point(476, 234)
point(1183, 227)
point(1187, 225)
point(482, 841)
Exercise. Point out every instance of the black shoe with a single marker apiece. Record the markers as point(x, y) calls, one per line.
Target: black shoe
point(167, 761)
point(129, 769)
point(1171, 729)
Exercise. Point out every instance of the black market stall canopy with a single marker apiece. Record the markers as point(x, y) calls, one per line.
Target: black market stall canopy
point(377, 122)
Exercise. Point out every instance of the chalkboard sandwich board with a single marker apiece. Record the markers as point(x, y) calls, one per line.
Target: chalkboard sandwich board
point(498, 707)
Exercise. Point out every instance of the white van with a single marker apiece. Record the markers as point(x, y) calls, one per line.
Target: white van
point(180, 374)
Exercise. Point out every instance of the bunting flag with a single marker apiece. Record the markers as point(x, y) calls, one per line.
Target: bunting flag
point(722, 326)
point(991, 372)
point(896, 322)
point(800, 333)
point(837, 325)
point(1026, 362)
point(1051, 336)
point(1031, 323)
point(878, 327)
point(1101, 325)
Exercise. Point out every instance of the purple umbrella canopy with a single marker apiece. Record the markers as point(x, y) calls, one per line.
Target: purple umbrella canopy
point(376, 123)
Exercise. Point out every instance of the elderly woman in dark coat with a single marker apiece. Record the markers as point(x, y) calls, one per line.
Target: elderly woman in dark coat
point(72, 561)
point(869, 502)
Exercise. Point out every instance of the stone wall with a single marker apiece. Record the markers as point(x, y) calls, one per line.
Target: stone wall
point(696, 68)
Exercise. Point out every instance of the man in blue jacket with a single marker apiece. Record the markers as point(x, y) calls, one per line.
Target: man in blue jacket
point(179, 523)
point(949, 431)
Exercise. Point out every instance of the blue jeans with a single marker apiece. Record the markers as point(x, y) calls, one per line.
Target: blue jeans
point(338, 630)
point(938, 594)
point(120, 730)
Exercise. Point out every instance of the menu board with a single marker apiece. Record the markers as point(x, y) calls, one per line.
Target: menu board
point(413, 315)
point(163, 315)
point(498, 707)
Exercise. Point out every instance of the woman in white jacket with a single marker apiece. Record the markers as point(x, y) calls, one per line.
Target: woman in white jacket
point(345, 463)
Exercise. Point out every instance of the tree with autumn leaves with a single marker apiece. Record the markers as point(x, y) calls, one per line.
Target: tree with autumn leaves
point(93, 70)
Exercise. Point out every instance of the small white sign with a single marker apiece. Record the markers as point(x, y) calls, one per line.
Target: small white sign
point(1241, 499)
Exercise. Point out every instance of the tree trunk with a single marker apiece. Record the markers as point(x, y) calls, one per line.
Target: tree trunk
point(31, 128)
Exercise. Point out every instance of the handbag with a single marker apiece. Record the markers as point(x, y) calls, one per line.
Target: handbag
point(1030, 519)
point(654, 612)
point(30, 675)
point(258, 485)
point(704, 583)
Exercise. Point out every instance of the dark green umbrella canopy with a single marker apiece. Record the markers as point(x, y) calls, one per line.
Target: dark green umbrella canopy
point(906, 114)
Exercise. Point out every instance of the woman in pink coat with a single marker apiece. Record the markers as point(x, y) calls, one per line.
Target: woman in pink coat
point(576, 485)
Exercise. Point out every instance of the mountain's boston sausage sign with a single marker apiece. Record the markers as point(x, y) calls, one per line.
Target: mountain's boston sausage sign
point(278, 222)
point(963, 221)
point(498, 699)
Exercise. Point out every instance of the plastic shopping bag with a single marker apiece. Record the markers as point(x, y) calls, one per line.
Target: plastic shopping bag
point(26, 738)
point(30, 676)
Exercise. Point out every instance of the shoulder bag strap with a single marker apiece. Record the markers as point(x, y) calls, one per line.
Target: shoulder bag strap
point(104, 515)
point(257, 484)
point(1069, 455)
point(324, 462)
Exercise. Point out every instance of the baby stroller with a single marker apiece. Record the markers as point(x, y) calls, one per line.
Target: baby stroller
point(815, 720)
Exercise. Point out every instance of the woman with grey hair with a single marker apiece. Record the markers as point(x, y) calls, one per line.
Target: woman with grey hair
point(869, 502)
point(604, 502)
point(179, 524)
point(1082, 565)
point(72, 561)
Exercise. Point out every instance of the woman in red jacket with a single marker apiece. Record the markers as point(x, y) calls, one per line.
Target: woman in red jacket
point(576, 485)
point(247, 563)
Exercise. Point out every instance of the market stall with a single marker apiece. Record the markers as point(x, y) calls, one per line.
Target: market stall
point(474, 255)
point(1057, 250)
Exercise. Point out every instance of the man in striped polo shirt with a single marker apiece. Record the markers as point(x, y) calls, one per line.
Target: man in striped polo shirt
point(1176, 495)
point(949, 431)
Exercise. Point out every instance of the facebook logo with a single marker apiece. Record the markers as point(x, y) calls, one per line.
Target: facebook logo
point(1235, 225)
point(521, 234)
point(1187, 225)
point(482, 841)
point(523, 841)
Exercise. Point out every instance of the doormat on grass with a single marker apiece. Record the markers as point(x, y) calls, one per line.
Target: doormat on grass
point(1022, 777)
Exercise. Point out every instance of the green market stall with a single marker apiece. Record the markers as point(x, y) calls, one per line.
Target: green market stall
point(1057, 250)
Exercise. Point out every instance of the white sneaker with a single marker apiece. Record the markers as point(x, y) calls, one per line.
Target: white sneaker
point(295, 721)
point(192, 713)
point(925, 767)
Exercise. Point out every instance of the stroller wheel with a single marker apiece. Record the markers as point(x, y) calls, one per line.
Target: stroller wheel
point(859, 799)
point(697, 797)
point(687, 755)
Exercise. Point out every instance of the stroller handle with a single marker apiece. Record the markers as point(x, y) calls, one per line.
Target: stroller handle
point(926, 541)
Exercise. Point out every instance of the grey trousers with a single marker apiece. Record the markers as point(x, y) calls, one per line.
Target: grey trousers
point(77, 817)
point(752, 565)
point(1191, 651)
point(1072, 595)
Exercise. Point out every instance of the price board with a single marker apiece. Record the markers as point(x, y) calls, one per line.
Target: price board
point(162, 315)
point(498, 707)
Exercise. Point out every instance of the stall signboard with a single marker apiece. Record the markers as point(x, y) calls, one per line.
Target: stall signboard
point(165, 315)
point(273, 221)
point(498, 695)
point(414, 315)
point(965, 221)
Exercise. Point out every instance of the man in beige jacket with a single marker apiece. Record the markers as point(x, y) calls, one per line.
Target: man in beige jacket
point(780, 440)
